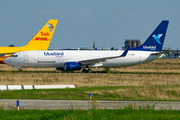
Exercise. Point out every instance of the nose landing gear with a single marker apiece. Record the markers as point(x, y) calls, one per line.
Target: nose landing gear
point(20, 70)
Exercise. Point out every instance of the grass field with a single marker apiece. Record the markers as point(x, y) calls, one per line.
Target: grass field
point(159, 72)
point(117, 114)
point(158, 80)
point(152, 84)
point(89, 80)
point(100, 93)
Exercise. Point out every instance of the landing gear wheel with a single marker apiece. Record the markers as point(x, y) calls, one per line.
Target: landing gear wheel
point(89, 71)
point(84, 71)
point(20, 70)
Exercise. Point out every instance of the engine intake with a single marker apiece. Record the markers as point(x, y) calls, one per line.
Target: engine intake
point(72, 66)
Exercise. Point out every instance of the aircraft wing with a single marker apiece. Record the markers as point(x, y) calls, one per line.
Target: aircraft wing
point(97, 60)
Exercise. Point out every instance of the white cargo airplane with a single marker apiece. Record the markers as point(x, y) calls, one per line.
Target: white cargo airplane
point(81, 59)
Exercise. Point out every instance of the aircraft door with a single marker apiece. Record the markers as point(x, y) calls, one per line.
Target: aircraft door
point(25, 56)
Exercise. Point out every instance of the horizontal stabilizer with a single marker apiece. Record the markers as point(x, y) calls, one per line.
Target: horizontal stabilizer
point(160, 53)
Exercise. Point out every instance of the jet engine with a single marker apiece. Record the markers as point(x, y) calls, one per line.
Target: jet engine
point(70, 66)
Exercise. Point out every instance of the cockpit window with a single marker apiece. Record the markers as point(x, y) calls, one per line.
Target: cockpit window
point(14, 55)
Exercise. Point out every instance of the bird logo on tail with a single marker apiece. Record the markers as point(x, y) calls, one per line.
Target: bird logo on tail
point(50, 27)
point(157, 38)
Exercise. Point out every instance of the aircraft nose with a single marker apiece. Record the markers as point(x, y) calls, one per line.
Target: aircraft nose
point(7, 60)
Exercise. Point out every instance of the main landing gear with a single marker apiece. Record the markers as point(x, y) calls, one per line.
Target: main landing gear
point(20, 70)
point(89, 70)
point(86, 71)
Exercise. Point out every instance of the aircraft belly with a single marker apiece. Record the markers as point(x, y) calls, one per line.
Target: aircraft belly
point(120, 62)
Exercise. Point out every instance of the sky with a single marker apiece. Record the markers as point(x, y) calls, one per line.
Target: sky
point(81, 22)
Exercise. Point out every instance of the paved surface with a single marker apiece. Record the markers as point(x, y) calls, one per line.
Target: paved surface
point(84, 104)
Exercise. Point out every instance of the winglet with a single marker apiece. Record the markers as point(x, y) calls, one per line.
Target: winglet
point(125, 52)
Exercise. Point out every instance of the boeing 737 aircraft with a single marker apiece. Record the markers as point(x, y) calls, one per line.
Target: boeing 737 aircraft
point(40, 41)
point(80, 59)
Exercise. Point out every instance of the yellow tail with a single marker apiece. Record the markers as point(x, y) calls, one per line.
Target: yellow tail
point(42, 39)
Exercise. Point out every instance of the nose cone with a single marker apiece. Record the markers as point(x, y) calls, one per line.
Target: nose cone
point(7, 60)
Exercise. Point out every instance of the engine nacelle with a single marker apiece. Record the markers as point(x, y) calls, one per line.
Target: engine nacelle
point(72, 66)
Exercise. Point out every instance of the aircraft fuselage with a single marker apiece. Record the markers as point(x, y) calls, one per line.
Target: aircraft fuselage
point(58, 58)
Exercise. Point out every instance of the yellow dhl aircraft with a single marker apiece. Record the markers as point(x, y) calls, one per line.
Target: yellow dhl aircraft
point(40, 41)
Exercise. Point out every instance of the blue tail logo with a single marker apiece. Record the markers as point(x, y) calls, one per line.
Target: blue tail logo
point(155, 41)
point(157, 38)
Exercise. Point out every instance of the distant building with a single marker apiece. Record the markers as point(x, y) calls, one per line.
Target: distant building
point(132, 43)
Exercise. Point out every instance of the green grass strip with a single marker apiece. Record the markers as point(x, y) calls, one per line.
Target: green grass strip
point(98, 93)
point(92, 114)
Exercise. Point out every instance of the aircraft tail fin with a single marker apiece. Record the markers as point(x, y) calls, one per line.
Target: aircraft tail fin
point(156, 39)
point(43, 37)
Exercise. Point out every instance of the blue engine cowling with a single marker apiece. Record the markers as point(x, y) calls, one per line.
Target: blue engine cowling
point(72, 66)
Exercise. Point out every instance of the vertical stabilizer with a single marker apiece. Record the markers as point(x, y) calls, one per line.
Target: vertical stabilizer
point(43, 38)
point(155, 40)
